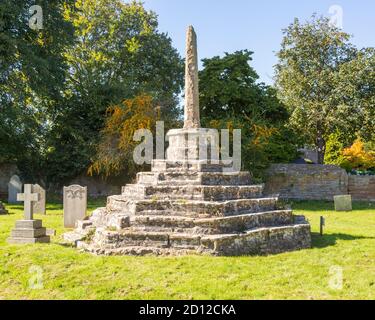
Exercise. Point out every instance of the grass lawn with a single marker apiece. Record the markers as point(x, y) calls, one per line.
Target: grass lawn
point(349, 243)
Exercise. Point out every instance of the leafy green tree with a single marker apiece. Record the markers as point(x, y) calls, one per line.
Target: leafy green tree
point(119, 54)
point(334, 148)
point(32, 72)
point(316, 62)
point(355, 85)
point(228, 88)
point(231, 97)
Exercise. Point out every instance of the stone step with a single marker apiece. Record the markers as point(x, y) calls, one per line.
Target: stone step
point(136, 250)
point(194, 178)
point(28, 233)
point(44, 239)
point(126, 238)
point(259, 241)
point(254, 242)
point(205, 193)
point(192, 165)
point(129, 238)
point(232, 224)
point(190, 208)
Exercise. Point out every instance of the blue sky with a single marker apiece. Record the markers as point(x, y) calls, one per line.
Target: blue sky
point(227, 26)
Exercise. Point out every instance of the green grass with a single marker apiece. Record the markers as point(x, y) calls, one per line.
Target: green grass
point(69, 274)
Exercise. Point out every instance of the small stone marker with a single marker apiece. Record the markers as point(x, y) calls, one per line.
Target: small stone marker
point(2, 209)
point(28, 230)
point(343, 203)
point(75, 205)
point(39, 207)
point(14, 188)
point(51, 232)
point(322, 225)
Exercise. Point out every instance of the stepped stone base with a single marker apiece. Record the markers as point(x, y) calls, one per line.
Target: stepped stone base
point(186, 206)
point(28, 231)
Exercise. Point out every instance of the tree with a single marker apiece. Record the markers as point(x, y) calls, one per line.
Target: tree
point(31, 77)
point(115, 150)
point(230, 97)
point(355, 85)
point(310, 60)
point(228, 88)
point(119, 54)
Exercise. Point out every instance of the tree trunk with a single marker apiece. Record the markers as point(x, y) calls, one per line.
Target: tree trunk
point(321, 147)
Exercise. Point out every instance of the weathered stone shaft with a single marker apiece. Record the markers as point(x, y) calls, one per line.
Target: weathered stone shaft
point(192, 116)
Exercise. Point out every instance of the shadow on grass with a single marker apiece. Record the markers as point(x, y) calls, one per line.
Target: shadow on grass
point(10, 213)
point(329, 240)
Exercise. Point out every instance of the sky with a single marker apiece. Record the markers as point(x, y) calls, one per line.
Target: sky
point(227, 26)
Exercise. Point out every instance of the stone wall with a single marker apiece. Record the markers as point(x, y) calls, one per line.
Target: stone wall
point(96, 187)
point(6, 172)
point(306, 182)
point(317, 182)
point(362, 187)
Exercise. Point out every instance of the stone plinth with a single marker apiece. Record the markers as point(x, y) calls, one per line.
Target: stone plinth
point(193, 144)
point(28, 232)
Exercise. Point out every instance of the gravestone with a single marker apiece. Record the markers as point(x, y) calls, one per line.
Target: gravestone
point(75, 205)
point(28, 230)
point(39, 207)
point(2, 209)
point(343, 203)
point(14, 188)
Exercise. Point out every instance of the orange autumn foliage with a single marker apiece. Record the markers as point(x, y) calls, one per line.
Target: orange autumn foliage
point(262, 134)
point(115, 149)
point(357, 157)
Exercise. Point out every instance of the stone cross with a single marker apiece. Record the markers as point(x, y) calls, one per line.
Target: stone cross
point(28, 198)
point(192, 116)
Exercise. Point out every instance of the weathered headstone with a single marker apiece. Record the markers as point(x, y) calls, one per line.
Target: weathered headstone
point(2, 209)
point(75, 205)
point(14, 188)
point(28, 230)
point(39, 207)
point(343, 203)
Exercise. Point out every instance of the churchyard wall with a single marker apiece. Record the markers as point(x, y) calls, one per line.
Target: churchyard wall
point(362, 187)
point(95, 187)
point(317, 182)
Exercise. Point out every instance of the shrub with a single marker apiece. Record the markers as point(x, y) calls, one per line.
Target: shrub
point(358, 157)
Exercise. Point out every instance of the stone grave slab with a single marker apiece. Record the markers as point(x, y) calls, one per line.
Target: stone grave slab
point(75, 205)
point(39, 207)
point(14, 188)
point(343, 203)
